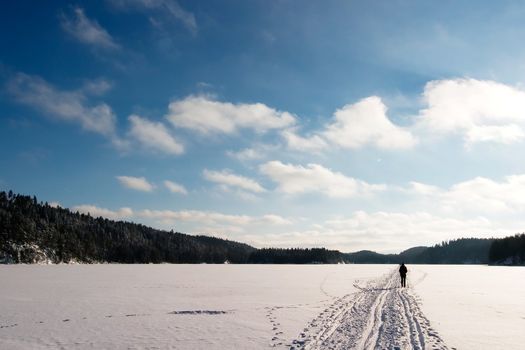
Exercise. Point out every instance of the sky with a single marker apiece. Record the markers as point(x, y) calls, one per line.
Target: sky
point(350, 125)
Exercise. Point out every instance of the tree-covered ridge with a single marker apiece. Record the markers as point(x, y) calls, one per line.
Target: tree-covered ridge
point(31, 231)
point(458, 251)
point(509, 250)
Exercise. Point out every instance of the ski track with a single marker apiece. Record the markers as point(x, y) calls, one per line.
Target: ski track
point(380, 315)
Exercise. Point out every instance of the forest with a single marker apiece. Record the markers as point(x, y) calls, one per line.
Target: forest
point(31, 231)
point(509, 250)
point(35, 232)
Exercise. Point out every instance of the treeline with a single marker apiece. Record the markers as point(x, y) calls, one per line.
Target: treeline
point(296, 256)
point(32, 232)
point(36, 232)
point(508, 251)
point(458, 251)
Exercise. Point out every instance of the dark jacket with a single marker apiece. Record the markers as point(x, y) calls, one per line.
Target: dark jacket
point(403, 270)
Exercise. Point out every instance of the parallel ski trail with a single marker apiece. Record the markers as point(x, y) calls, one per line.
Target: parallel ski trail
point(378, 316)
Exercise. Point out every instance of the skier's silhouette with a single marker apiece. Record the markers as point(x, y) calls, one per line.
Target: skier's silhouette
point(403, 272)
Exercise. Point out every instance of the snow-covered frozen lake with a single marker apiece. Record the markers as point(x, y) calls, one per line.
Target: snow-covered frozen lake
point(260, 306)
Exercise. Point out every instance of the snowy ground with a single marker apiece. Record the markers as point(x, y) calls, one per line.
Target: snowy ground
point(260, 307)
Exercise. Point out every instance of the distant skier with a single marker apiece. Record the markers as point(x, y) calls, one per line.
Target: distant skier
point(403, 272)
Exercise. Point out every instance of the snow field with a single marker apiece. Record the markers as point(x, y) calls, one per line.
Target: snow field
point(260, 307)
point(475, 307)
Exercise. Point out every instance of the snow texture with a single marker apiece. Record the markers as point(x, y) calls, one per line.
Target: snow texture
point(381, 315)
point(260, 307)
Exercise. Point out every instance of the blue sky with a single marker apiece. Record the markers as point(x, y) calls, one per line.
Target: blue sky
point(346, 124)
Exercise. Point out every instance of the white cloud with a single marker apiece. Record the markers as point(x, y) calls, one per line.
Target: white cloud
point(95, 211)
point(505, 134)
point(154, 135)
point(296, 179)
point(97, 87)
point(476, 196)
point(136, 183)
point(62, 105)
point(168, 7)
point(211, 218)
point(487, 196)
point(313, 143)
point(366, 123)
point(175, 187)
point(55, 204)
point(479, 110)
point(423, 189)
point(202, 217)
point(384, 231)
point(87, 31)
point(231, 180)
point(380, 230)
point(355, 126)
point(276, 219)
point(193, 221)
point(207, 116)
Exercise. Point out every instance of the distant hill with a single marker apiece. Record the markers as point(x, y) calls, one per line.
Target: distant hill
point(370, 257)
point(412, 253)
point(35, 232)
point(459, 251)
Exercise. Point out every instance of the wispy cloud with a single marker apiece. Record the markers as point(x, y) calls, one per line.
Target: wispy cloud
point(168, 8)
point(213, 218)
point(85, 30)
point(195, 221)
point(230, 180)
point(136, 183)
point(256, 152)
point(62, 105)
point(245, 154)
point(313, 143)
point(154, 135)
point(97, 87)
point(174, 187)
